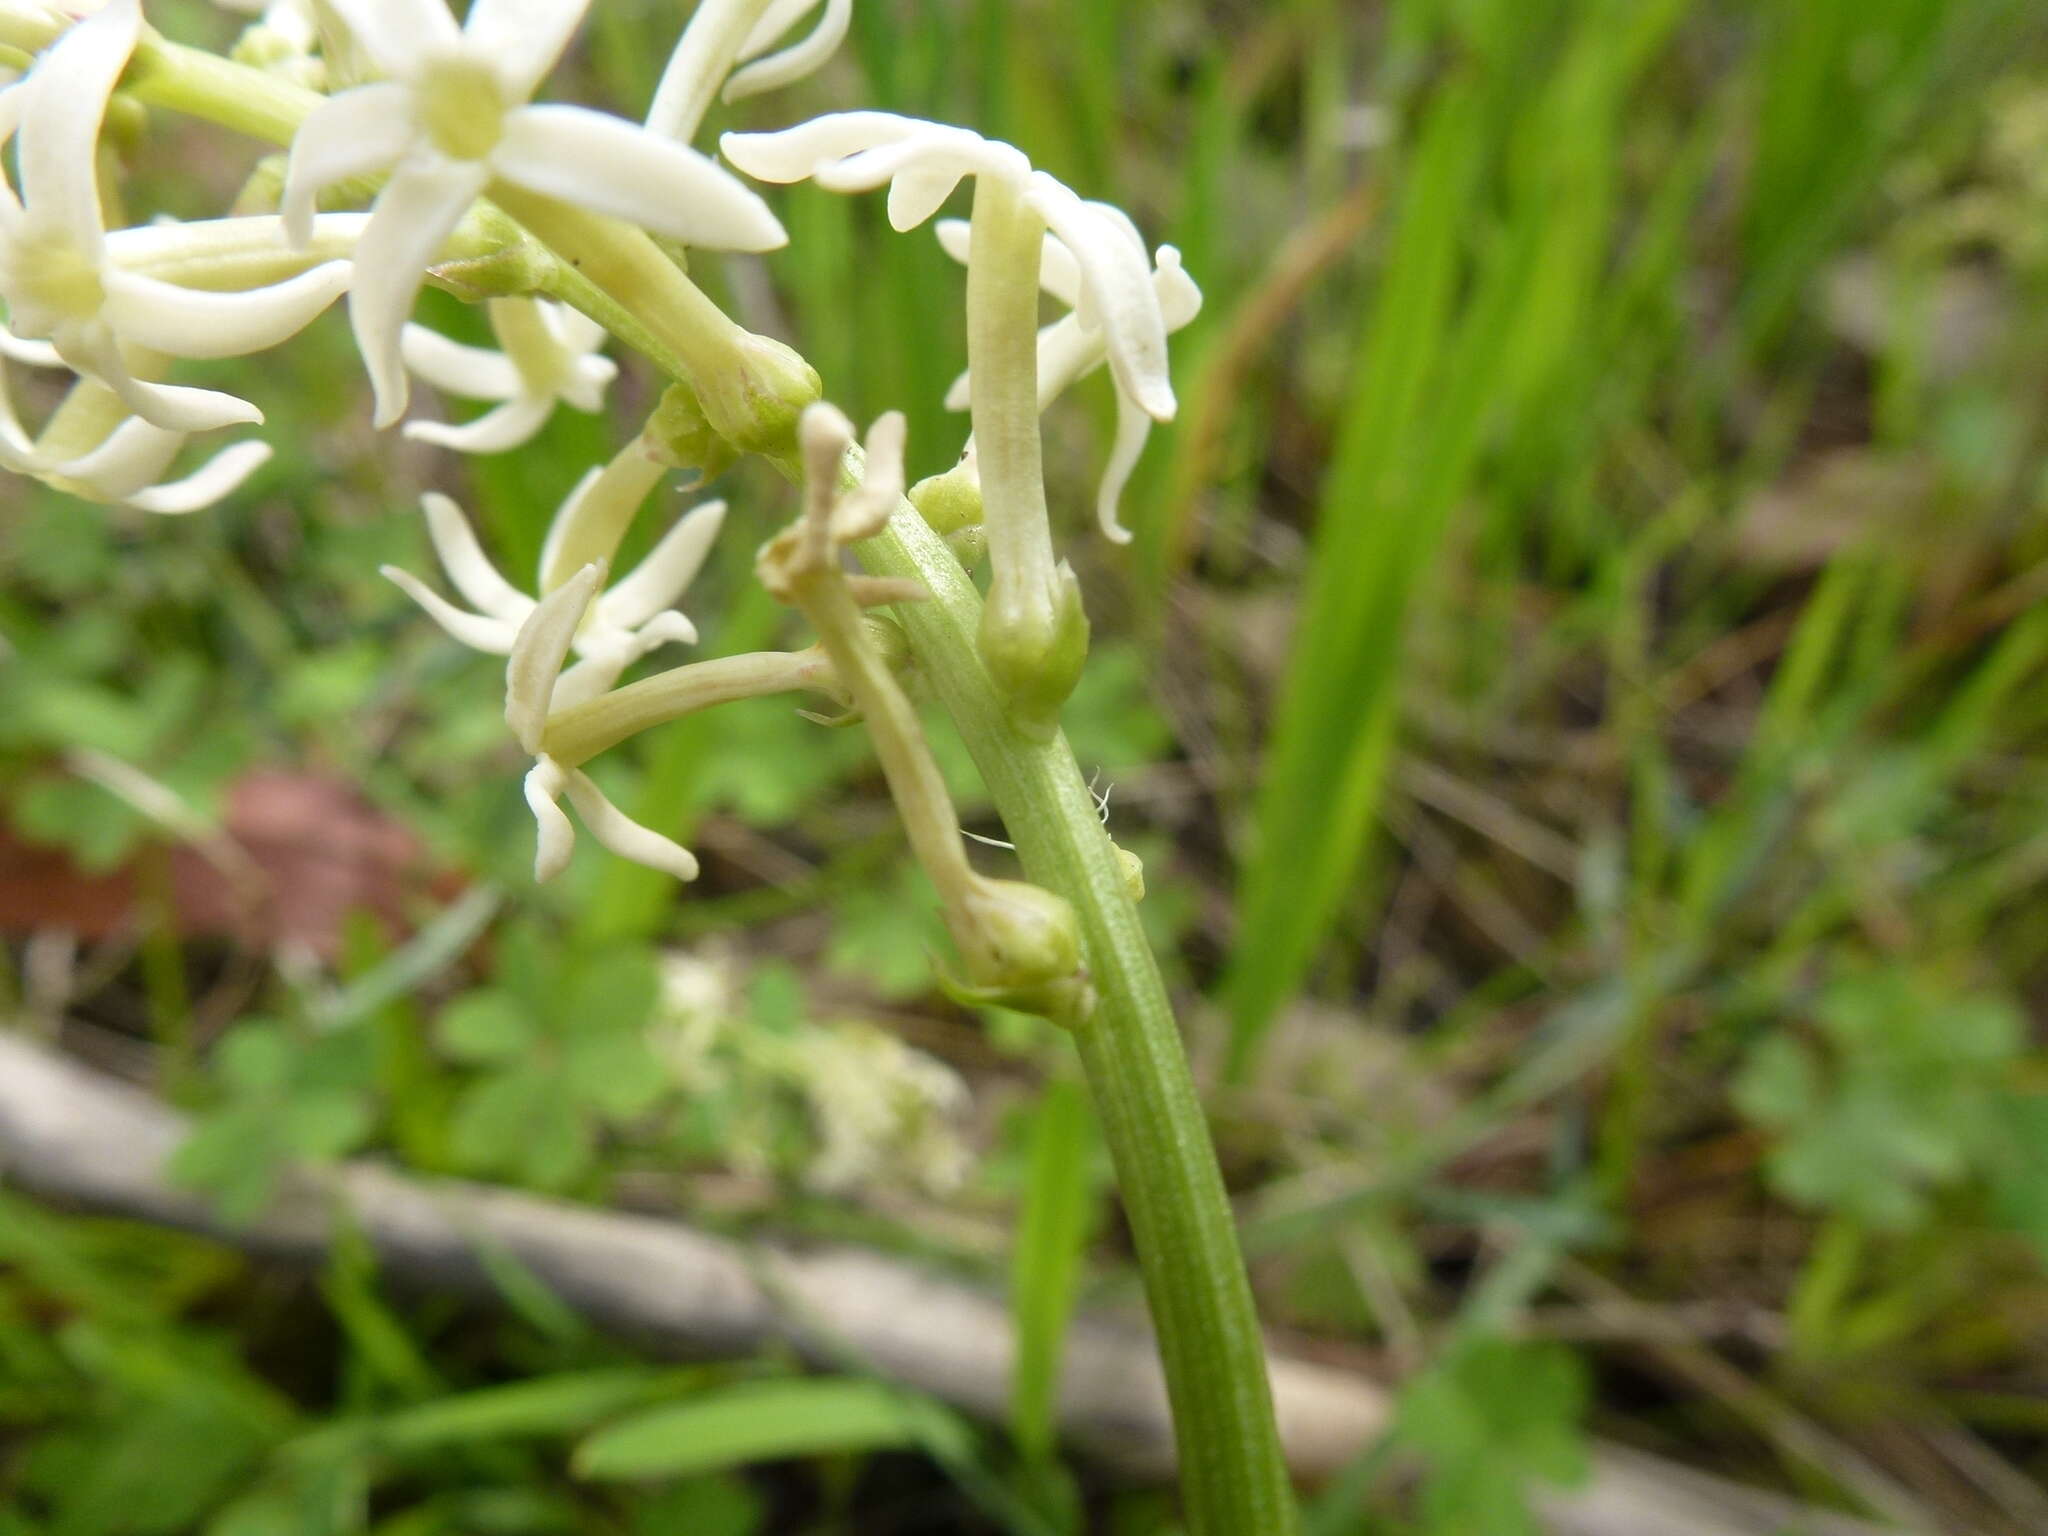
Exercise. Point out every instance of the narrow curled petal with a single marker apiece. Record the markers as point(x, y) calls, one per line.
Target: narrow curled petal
point(522, 38)
point(1117, 277)
point(219, 476)
point(794, 154)
point(539, 651)
point(175, 407)
point(657, 581)
point(396, 34)
point(60, 135)
point(795, 61)
point(352, 134)
point(863, 510)
point(414, 214)
point(556, 839)
point(505, 427)
point(468, 566)
point(624, 836)
point(37, 354)
point(1179, 299)
point(476, 373)
point(132, 456)
point(607, 164)
point(1132, 427)
point(194, 322)
point(575, 330)
point(491, 636)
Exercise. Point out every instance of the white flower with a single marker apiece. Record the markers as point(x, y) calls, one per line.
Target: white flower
point(923, 162)
point(549, 354)
point(127, 465)
point(452, 117)
point(59, 274)
point(533, 676)
point(1068, 351)
point(723, 33)
point(634, 617)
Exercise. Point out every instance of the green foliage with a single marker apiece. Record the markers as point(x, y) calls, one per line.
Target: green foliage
point(1493, 1420)
point(559, 1044)
point(286, 1096)
point(1905, 1097)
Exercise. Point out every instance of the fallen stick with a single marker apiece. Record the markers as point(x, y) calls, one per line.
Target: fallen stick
point(74, 1134)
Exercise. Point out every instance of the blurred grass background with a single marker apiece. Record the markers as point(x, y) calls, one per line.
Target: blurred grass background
point(1577, 689)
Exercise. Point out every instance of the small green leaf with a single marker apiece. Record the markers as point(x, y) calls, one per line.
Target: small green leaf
point(756, 1421)
point(485, 1026)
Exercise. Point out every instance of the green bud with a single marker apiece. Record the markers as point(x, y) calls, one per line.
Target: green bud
point(1022, 948)
point(888, 639)
point(754, 402)
point(681, 437)
point(949, 502)
point(1034, 643)
point(1132, 868)
point(517, 268)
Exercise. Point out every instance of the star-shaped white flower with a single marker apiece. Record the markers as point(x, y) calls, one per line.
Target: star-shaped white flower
point(923, 162)
point(720, 35)
point(1068, 351)
point(623, 624)
point(59, 273)
point(453, 116)
point(534, 689)
point(549, 353)
point(127, 465)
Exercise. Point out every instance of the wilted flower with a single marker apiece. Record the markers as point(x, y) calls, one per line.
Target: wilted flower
point(549, 353)
point(59, 274)
point(1069, 350)
point(452, 117)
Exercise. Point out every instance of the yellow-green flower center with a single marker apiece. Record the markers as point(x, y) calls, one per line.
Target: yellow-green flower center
point(56, 279)
point(462, 108)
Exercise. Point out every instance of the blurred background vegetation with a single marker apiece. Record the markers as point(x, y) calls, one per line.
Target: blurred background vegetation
point(1578, 691)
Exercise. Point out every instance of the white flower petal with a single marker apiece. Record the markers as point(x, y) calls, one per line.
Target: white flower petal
point(603, 660)
point(352, 134)
point(522, 38)
point(539, 651)
point(37, 354)
point(504, 427)
point(670, 628)
point(17, 449)
point(1118, 278)
point(797, 60)
point(568, 518)
point(176, 407)
point(1179, 299)
point(624, 836)
point(134, 454)
point(556, 838)
point(588, 379)
point(657, 581)
point(777, 18)
point(608, 164)
point(463, 558)
point(58, 152)
point(917, 193)
point(491, 636)
point(575, 330)
point(220, 476)
point(398, 34)
point(794, 154)
point(1132, 427)
point(195, 322)
point(475, 373)
point(960, 394)
point(414, 214)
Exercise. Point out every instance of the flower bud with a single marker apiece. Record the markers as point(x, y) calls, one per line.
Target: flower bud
point(949, 502)
point(755, 402)
point(1132, 868)
point(1034, 642)
point(1022, 948)
point(969, 546)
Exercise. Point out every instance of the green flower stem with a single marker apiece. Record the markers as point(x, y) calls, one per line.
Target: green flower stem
point(578, 733)
point(1233, 1477)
